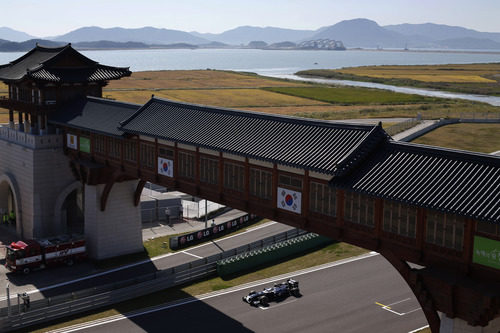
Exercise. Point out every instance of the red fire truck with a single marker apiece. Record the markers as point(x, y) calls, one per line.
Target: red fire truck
point(24, 256)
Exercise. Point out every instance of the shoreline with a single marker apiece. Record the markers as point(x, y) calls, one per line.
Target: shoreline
point(451, 51)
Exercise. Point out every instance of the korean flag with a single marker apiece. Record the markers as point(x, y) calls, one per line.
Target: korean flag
point(289, 200)
point(165, 167)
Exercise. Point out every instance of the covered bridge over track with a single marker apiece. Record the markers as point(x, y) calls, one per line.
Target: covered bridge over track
point(434, 207)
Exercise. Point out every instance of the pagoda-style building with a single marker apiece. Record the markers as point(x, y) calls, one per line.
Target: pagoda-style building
point(37, 183)
point(45, 77)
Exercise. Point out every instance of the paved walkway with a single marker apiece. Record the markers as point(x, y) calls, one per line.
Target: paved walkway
point(424, 124)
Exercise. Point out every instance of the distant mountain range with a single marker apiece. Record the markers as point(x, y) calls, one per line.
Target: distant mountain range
point(357, 33)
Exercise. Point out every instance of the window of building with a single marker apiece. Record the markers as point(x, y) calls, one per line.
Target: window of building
point(114, 148)
point(400, 219)
point(234, 176)
point(130, 151)
point(488, 228)
point(100, 144)
point(209, 170)
point(359, 209)
point(147, 155)
point(322, 199)
point(165, 152)
point(445, 230)
point(261, 183)
point(290, 181)
point(186, 165)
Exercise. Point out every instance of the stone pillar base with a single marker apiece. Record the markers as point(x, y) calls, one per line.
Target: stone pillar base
point(117, 230)
point(457, 325)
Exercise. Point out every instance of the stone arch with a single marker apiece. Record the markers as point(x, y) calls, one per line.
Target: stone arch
point(12, 184)
point(76, 185)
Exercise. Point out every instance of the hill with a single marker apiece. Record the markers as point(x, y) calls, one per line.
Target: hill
point(9, 46)
point(246, 34)
point(146, 35)
point(361, 33)
point(436, 32)
point(14, 35)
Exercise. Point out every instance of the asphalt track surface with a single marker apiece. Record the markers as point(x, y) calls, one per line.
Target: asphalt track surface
point(365, 295)
point(60, 280)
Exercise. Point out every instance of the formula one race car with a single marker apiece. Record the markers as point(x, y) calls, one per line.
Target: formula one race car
point(277, 292)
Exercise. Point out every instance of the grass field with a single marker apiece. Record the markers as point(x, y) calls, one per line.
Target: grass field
point(468, 78)
point(218, 97)
point(181, 79)
point(437, 73)
point(353, 96)
point(474, 137)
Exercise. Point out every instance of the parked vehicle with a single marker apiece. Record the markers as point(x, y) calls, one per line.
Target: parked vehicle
point(25, 256)
point(278, 291)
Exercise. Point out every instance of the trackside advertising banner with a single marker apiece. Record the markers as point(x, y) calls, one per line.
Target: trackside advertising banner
point(486, 252)
point(212, 232)
point(165, 167)
point(289, 200)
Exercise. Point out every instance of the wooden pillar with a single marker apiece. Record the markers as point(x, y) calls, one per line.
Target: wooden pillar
point(420, 230)
point(138, 157)
point(32, 123)
point(379, 217)
point(20, 120)
point(340, 207)
point(469, 229)
point(197, 170)
point(275, 188)
point(221, 175)
point(11, 116)
point(176, 162)
point(305, 198)
point(155, 163)
point(247, 182)
point(27, 125)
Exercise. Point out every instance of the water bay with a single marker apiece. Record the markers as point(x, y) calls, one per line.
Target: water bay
point(269, 62)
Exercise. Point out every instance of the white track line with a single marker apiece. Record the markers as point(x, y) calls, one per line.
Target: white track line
point(419, 329)
point(209, 295)
point(33, 291)
point(194, 255)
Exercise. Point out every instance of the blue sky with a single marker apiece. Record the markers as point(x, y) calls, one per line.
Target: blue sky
point(44, 18)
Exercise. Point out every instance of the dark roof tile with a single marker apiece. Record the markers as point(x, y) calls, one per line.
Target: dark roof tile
point(297, 142)
point(94, 114)
point(453, 181)
point(44, 64)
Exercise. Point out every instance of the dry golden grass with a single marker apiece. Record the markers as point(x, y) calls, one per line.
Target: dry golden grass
point(235, 98)
point(474, 73)
point(474, 137)
point(195, 79)
point(4, 116)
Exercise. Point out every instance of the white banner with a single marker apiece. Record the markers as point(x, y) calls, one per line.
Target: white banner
point(72, 141)
point(289, 200)
point(165, 167)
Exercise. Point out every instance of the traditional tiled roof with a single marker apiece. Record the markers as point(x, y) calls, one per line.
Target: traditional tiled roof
point(297, 142)
point(448, 180)
point(94, 114)
point(51, 64)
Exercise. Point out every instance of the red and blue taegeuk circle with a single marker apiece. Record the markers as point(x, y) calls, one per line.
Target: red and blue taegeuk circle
point(288, 199)
point(165, 166)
